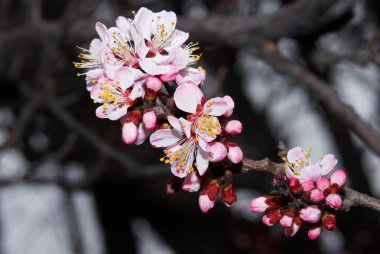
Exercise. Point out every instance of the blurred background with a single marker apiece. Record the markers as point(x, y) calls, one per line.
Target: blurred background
point(69, 186)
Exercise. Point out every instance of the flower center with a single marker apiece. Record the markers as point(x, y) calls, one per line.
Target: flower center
point(112, 94)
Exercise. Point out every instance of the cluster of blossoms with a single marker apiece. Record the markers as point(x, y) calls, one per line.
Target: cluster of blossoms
point(143, 67)
point(304, 197)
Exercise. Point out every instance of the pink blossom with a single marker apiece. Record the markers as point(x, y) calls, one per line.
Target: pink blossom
point(291, 231)
point(287, 220)
point(119, 94)
point(129, 133)
point(217, 151)
point(308, 185)
point(191, 75)
point(334, 201)
point(316, 196)
point(323, 184)
point(338, 179)
point(235, 154)
point(149, 119)
point(314, 232)
point(329, 221)
point(170, 75)
point(182, 148)
point(311, 214)
point(231, 106)
point(264, 203)
point(154, 84)
point(233, 127)
point(298, 165)
point(191, 183)
point(205, 203)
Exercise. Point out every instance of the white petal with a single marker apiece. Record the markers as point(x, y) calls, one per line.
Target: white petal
point(202, 161)
point(143, 22)
point(328, 163)
point(174, 122)
point(312, 173)
point(137, 91)
point(216, 107)
point(142, 134)
point(150, 67)
point(185, 126)
point(101, 29)
point(165, 138)
point(295, 154)
point(186, 98)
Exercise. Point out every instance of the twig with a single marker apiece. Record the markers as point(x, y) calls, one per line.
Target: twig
point(322, 91)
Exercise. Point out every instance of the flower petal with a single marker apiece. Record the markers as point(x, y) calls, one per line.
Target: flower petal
point(101, 29)
point(165, 138)
point(185, 126)
point(142, 134)
point(186, 98)
point(312, 173)
point(295, 154)
point(215, 107)
point(174, 122)
point(202, 161)
point(328, 163)
point(152, 68)
point(143, 22)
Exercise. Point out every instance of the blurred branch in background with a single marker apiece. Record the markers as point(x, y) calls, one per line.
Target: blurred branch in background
point(40, 91)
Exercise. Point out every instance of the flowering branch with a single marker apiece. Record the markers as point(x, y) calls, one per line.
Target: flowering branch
point(140, 72)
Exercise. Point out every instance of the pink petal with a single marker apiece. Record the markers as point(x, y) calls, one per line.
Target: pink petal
point(191, 183)
point(177, 39)
point(314, 232)
point(231, 105)
point(218, 151)
point(328, 163)
point(311, 214)
point(129, 133)
point(215, 107)
point(186, 98)
point(185, 126)
point(142, 134)
point(174, 122)
point(190, 75)
point(125, 77)
point(205, 203)
point(152, 68)
point(312, 173)
point(295, 154)
point(101, 29)
point(143, 21)
point(165, 138)
point(137, 91)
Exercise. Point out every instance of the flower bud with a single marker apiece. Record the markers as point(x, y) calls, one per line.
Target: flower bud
point(334, 201)
point(338, 179)
point(170, 76)
point(217, 151)
point(174, 184)
point(316, 196)
point(233, 127)
point(205, 203)
point(308, 185)
point(271, 218)
point(149, 119)
point(228, 195)
point(235, 154)
point(129, 133)
point(287, 220)
point(154, 84)
point(329, 221)
point(191, 183)
point(231, 105)
point(311, 214)
point(212, 189)
point(291, 231)
point(323, 184)
point(264, 203)
point(314, 232)
point(295, 185)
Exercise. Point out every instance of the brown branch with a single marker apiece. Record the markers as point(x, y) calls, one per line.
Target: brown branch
point(323, 91)
point(351, 198)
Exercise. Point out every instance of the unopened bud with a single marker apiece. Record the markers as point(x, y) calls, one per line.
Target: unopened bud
point(308, 185)
point(129, 133)
point(314, 232)
point(338, 179)
point(233, 127)
point(295, 185)
point(217, 151)
point(311, 214)
point(171, 75)
point(228, 195)
point(315, 196)
point(235, 154)
point(329, 221)
point(323, 184)
point(334, 201)
point(149, 120)
point(154, 84)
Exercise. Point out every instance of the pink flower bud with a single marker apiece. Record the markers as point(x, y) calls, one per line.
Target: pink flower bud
point(233, 127)
point(291, 231)
point(329, 221)
point(129, 133)
point(149, 119)
point(334, 201)
point(174, 184)
point(217, 151)
point(308, 185)
point(235, 154)
point(205, 203)
point(311, 214)
point(314, 232)
point(323, 184)
point(231, 105)
point(228, 195)
point(154, 84)
point(287, 220)
point(170, 76)
point(191, 183)
point(264, 203)
point(295, 185)
point(316, 196)
point(271, 218)
point(338, 179)
point(212, 189)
